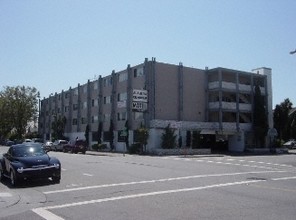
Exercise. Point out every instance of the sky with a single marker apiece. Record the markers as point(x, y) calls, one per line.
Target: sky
point(53, 45)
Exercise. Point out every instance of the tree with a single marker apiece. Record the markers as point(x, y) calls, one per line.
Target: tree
point(260, 119)
point(188, 138)
point(168, 138)
point(281, 119)
point(86, 134)
point(143, 135)
point(126, 129)
point(111, 135)
point(100, 129)
point(58, 127)
point(293, 125)
point(6, 123)
point(18, 107)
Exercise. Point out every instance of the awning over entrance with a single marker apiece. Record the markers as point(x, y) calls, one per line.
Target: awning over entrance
point(207, 131)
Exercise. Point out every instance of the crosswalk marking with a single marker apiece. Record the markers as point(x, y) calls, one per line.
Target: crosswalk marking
point(5, 194)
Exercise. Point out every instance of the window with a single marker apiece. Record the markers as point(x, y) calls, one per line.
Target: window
point(95, 85)
point(138, 72)
point(94, 102)
point(120, 136)
point(121, 116)
point(75, 107)
point(94, 119)
point(106, 117)
point(85, 89)
point(138, 115)
point(76, 91)
point(74, 121)
point(107, 81)
point(84, 105)
point(107, 99)
point(66, 109)
point(67, 95)
point(122, 96)
point(83, 120)
point(122, 77)
point(106, 136)
point(95, 136)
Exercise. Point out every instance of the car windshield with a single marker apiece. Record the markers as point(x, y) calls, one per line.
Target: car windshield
point(28, 151)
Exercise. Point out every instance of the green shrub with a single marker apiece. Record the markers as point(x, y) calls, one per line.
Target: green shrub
point(95, 147)
point(168, 138)
point(102, 146)
point(135, 148)
point(98, 147)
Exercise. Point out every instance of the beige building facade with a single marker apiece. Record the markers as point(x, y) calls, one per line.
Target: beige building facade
point(216, 104)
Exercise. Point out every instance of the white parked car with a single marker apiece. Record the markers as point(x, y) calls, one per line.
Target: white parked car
point(58, 145)
point(290, 144)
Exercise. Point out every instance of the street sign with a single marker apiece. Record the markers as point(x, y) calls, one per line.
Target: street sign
point(139, 106)
point(140, 95)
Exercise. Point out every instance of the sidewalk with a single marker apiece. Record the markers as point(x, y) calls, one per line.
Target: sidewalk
point(7, 197)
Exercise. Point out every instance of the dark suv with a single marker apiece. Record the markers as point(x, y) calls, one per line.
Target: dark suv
point(78, 146)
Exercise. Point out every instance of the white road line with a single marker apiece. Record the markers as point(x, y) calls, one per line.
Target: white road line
point(5, 194)
point(44, 213)
point(158, 180)
point(285, 178)
point(87, 174)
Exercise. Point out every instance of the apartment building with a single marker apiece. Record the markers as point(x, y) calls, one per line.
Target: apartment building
point(216, 104)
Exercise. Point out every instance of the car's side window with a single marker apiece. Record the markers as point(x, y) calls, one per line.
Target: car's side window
point(10, 151)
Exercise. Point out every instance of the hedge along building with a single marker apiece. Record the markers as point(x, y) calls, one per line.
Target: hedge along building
point(203, 106)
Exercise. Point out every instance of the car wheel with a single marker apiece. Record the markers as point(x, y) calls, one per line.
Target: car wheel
point(83, 152)
point(13, 180)
point(56, 179)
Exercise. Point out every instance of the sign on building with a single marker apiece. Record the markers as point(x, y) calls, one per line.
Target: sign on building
point(139, 106)
point(140, 95)
point(140, 99)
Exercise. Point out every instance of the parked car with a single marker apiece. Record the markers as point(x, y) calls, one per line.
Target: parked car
point(28, 140)
point(290, 144)
point(38, 140)
point(9, 143)
point(58, 145)
point(77, 146)
point(29, 161)
point(47, 145)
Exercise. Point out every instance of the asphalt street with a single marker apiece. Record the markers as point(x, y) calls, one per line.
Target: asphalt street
point(116, 186)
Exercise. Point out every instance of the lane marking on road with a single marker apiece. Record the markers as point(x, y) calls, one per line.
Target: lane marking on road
point(87, 174)
point(44, 213)
point(219, 161)
point(158, 180)
point(285, 178)
point(5, 194)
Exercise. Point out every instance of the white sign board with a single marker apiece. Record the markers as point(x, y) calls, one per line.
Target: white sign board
point(140, 95)
point(121, 104)
point(139, 106)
